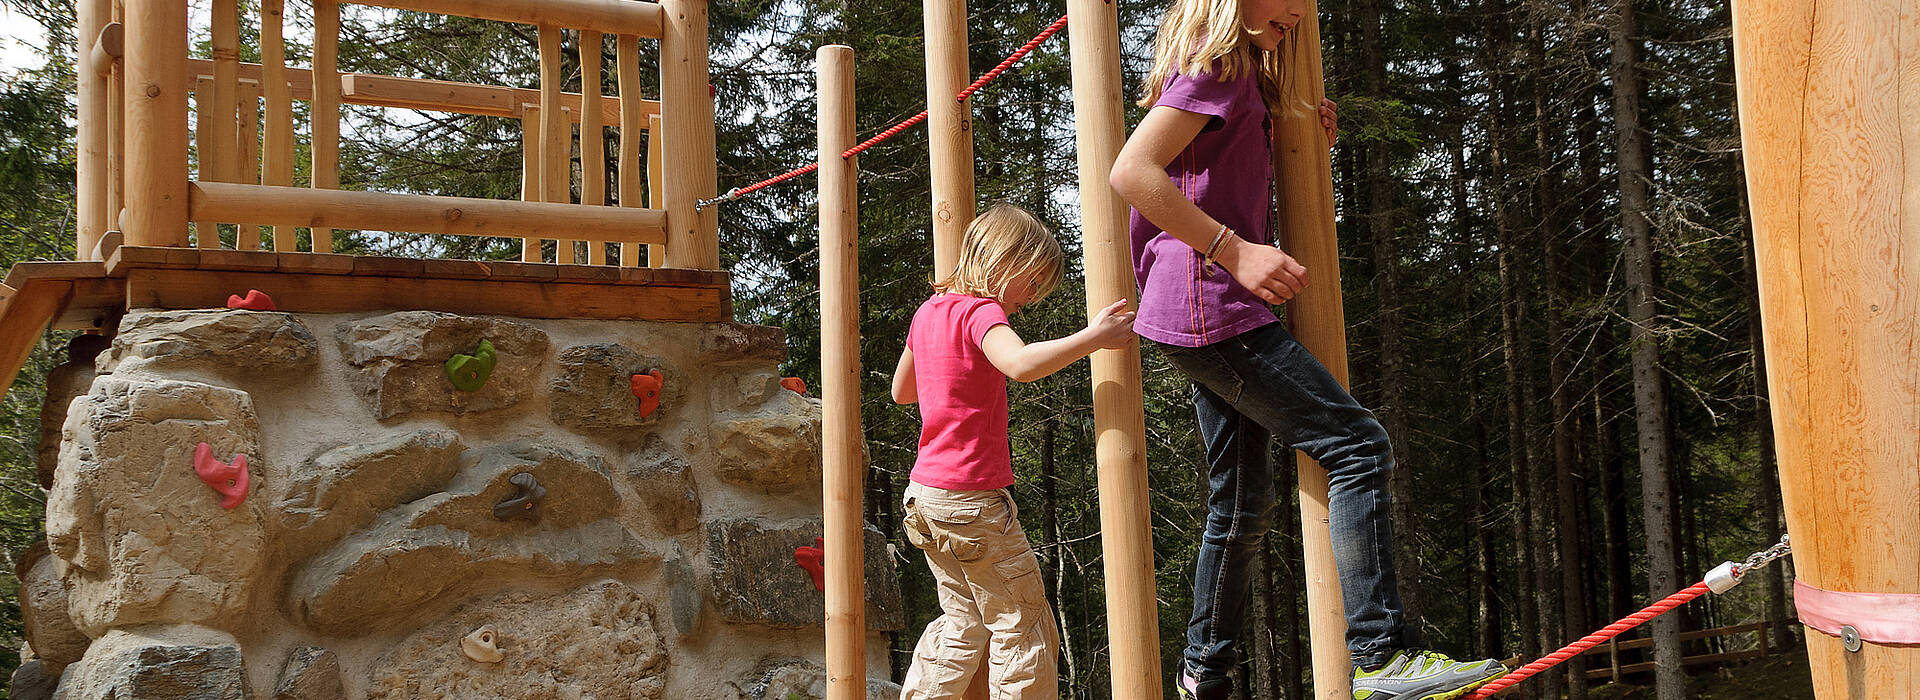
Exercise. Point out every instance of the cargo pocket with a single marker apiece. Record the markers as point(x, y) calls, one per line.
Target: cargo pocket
point(1022, 574)
point(944, 529)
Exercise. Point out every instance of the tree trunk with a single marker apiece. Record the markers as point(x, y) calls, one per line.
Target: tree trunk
point(1566, 530)
point(1486, 609)
point(1386, 262)
point(1649, 385)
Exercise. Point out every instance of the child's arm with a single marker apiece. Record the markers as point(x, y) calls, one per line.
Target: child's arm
point(1111, 328)
point(904, 390)
point(1140, 176)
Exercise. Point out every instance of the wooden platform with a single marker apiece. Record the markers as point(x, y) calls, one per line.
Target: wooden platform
point(93, 295)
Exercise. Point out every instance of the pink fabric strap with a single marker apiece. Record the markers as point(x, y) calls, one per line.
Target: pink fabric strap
point(1883, 618)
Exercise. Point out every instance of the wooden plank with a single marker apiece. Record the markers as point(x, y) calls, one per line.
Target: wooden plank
point(556, 135)
point(372, 266)
point(93, 304)
point(620, 16)
point(26, 319)
point(247, 236)
point(315, 263)
point(131, 256)
point(656, 183)
point(587, 273)
point(193, 289)
point(325, 147)
point(242, 260)
point(593, 151)
point(278, 149)
point(632, 124)
point(381, 211)
point(206, 234)
point(419, 93)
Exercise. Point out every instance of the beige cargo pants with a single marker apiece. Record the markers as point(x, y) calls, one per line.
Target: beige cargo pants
point(993, 602)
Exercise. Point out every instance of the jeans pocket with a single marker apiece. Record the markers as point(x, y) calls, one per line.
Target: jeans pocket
point(1208, 367)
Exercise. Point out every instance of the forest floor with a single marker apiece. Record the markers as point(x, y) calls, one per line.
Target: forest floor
point(1778, 677)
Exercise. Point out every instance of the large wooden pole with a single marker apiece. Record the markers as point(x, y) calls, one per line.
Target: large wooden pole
point(949, 129)
point(326, 108)
point(278, 151)
point(92, 217)
point(1829, 97)
point(1119, 424)
point(840, 378)
point(686, 106)
point(1305, 201)
point(156, 136)
point(633, 123)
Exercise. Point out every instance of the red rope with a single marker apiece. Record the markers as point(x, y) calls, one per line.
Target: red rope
point(1590, 641)
point(895, 130)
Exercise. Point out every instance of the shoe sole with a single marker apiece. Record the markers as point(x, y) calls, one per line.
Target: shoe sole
point(1462, 691)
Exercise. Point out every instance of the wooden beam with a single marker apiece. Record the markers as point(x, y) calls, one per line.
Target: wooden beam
point(156, 88)
point(426, 95)
point(297, 206)
point(25, 320)
point(843, 464)
point(593, 150)
point(686, 97)
point(278, 147)
point(322, 293)
point(949, 129)
point(632, 124)
point(1119, 422)
point(612, 16)
point(556, 135)
point(91, 214)
point(530, 179)
point(1318, 320)
point(325, 147)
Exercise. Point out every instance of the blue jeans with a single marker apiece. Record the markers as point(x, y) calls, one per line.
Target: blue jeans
point(1248, 389)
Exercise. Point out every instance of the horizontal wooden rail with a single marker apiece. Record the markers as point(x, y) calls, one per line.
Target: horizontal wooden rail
point(430, 95)
point(1686, 636)
point(1615, 670)
point(610, 16)
point(348, 209)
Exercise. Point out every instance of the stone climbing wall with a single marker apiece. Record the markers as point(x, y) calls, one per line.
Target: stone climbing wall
point(384, 540)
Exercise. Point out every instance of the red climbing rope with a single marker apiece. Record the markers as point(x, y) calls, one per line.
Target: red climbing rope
point(1720, 580)
point(1590, 641)
point(894, 130)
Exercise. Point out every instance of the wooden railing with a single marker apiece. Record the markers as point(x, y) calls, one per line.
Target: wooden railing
point(133, 123)
point(1614, 669)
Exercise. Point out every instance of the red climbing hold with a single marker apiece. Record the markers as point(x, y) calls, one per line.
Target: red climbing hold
point(798, 385)
point(255, 300)
point(647, 388)
point(229, 480)
point(814, 560)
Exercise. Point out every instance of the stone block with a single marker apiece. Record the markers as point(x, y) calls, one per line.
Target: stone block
point(754, 578)
point(663, 480)
point(144, 539)
point(593, 391)
point(775, 449)
point(311, 673)
point(214, 342)
point(796, 679)
point(344, 488)
point(734, 344)
point(43, 611)
point(398, 361)
point(169, 663)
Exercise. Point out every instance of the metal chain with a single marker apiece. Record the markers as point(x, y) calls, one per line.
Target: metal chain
point(1764, 557)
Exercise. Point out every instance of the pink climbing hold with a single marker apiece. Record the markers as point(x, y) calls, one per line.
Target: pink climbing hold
point(814, 560)
point(229, 480)
point(255, 300)
point(798, 385)
point(647, 388)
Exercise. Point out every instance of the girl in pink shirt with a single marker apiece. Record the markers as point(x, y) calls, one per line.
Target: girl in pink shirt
point(960, 352)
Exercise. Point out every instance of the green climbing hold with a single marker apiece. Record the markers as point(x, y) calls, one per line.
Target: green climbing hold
point(470, 372)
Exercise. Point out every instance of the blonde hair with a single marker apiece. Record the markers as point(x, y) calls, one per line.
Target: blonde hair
point(1002, 244)
point(1198, 33)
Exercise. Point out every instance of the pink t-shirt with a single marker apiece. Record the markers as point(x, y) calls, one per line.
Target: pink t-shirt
point(963, 397)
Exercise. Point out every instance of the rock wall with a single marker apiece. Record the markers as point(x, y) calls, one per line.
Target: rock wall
point(391, 536)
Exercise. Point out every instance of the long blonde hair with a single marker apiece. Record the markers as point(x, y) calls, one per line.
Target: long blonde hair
point(1198, 33)
point(1002, 244)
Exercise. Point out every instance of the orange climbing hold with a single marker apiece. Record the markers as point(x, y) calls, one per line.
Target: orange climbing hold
point(647, 388)
point(798, 385)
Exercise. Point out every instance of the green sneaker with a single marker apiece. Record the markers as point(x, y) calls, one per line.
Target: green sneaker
point(1423, 675)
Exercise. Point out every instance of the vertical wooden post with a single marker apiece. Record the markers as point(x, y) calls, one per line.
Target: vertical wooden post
point(1829, 99)
point(219, 154)
point(278, 150)
point(530, 171)
point(686, 102)
point(116, 127)
point(949, 128)
point(1316, 316)
point(326, 107)
point(656, 184)
point(556, 136)
point(206, 234)
point(156, 137)
point(247, 236)
point(840, 378)
point(1119, 424)
point(92, 215)
point(626, 50)
point(593, 152)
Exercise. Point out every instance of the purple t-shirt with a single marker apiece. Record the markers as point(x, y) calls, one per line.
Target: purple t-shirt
point(1228, 171)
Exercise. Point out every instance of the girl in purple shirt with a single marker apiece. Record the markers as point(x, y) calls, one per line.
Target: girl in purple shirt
point(1199, 173)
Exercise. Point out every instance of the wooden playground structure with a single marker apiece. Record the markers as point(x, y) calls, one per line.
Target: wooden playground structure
point(1830, 108)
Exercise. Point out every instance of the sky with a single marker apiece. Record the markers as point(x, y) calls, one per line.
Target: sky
point(18, 37)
